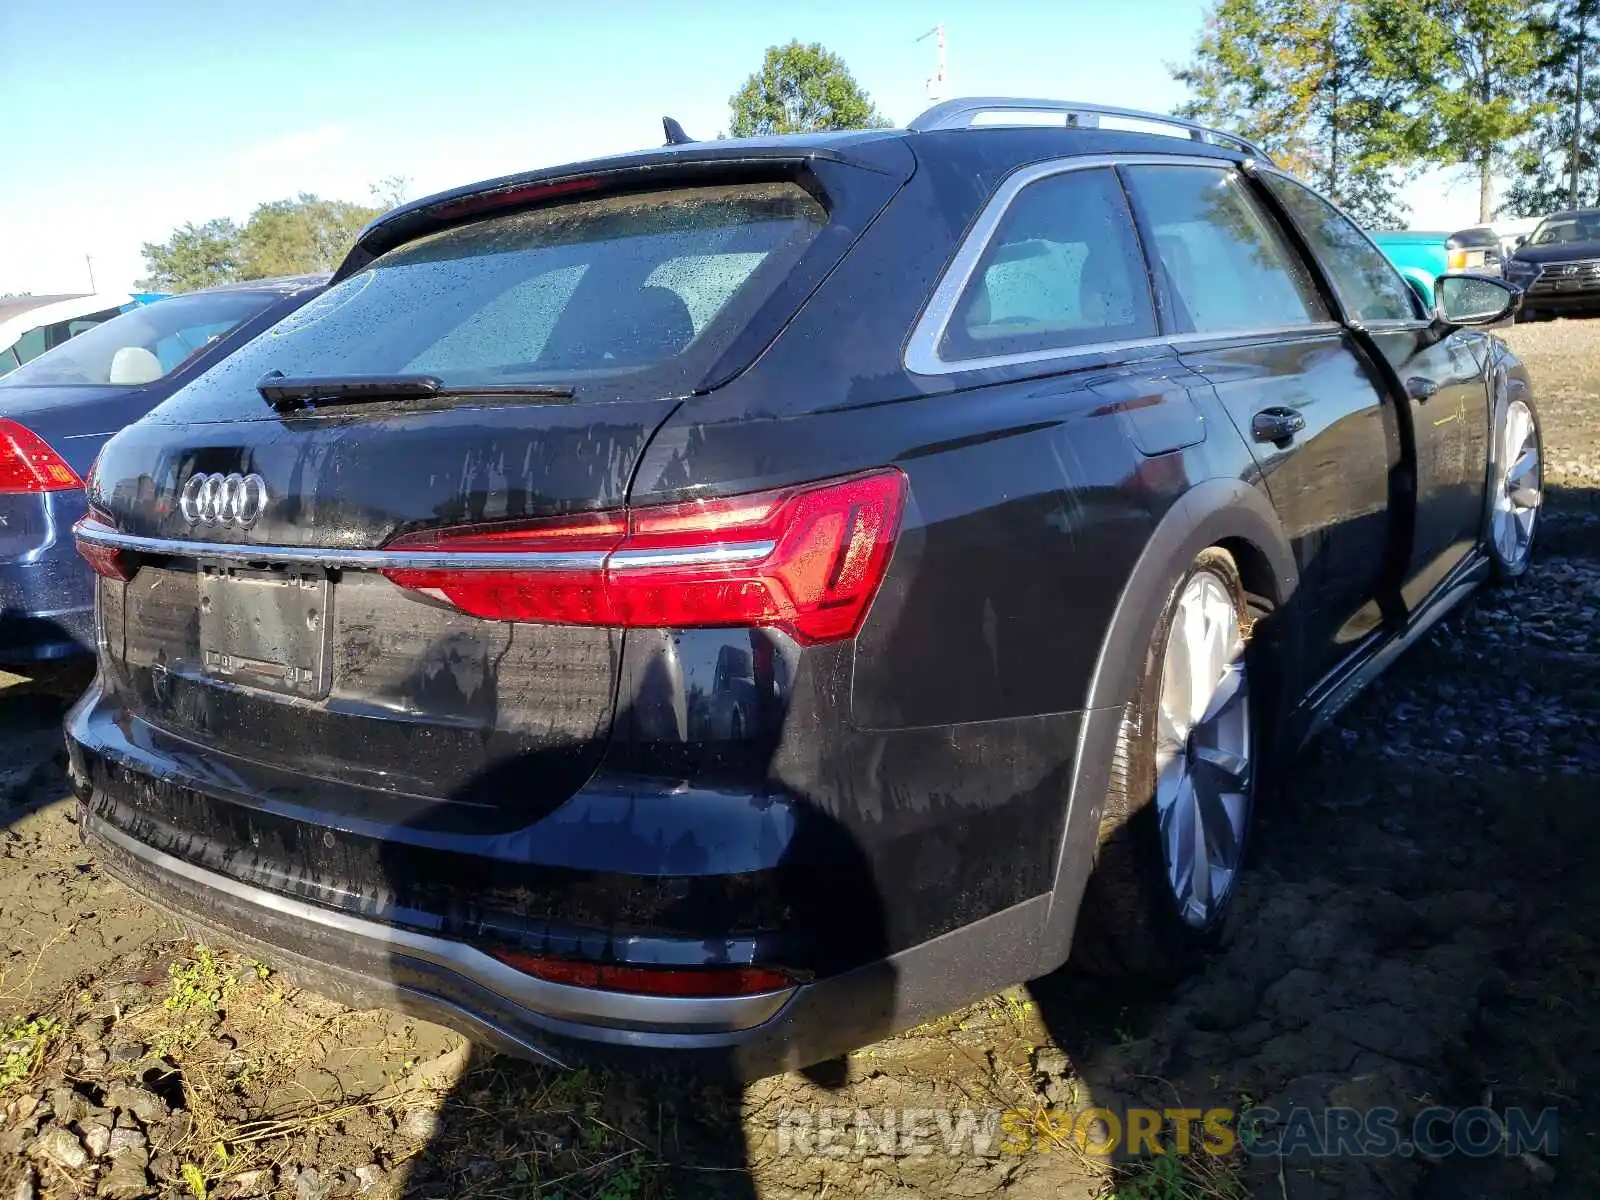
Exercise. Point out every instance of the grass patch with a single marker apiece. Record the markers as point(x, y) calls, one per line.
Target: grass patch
point(237, 1040)
point(515, 1131)
point(1178, 1177)
point(200, 985)
point(24, 1043)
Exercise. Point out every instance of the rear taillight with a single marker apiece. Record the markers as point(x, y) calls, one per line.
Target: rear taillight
point(28, 464)
point(806, 559)
point(106, 560)
point(649, 981)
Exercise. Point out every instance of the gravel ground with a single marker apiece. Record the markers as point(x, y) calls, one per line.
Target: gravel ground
point(1421, 925)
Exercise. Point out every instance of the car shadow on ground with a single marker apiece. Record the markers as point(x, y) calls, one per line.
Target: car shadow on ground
point(33, 700)
point(636, 1121)
point(1415, 934)
point(1417, 931)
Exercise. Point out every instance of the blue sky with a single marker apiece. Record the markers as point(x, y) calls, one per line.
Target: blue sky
point(128, 117)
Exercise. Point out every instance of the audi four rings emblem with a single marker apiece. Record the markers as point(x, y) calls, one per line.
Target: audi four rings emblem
point(236, 500)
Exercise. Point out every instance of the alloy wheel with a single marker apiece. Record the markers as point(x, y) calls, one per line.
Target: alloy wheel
point(1519, 491)
point(1204, 772)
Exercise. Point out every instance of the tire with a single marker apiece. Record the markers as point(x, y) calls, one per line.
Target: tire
point(1133, 922)
point(1527, 315)
point(1512, 482)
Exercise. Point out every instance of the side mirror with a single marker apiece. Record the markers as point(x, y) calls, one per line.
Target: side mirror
point(1463, 299)
point(1520, 240)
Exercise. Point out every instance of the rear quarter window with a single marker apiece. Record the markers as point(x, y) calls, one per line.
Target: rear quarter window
point(1062, 269)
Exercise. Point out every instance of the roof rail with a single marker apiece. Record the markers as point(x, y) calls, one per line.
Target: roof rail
point(964, 113)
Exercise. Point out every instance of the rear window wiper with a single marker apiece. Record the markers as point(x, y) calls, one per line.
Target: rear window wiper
point(290, 393)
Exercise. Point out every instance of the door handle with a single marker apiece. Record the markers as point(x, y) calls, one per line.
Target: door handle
point(1276, 425)
point(1421, 389)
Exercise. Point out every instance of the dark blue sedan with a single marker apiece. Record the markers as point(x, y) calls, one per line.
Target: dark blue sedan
point(57, 411)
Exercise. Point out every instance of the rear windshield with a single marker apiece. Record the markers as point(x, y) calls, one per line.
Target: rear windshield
point(144, 344)
point(555, 294)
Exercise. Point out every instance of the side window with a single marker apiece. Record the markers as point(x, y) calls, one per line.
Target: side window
point(80, 324)
point(1368, 285)
point(1222, 266)
point(181, 345)
point(1062, 269)
point(30, 345)
point(8, 360)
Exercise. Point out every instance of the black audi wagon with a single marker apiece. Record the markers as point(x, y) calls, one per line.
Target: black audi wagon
point(750, 596)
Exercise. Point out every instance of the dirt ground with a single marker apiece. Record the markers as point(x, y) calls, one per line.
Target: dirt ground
point(1420, 926)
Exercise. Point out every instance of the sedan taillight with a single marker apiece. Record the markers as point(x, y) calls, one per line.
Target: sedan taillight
point(805, 559)
point(28, 464)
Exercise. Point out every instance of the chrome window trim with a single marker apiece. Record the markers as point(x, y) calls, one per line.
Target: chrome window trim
point(922, 356)
point(421, 560)
point(1394, 323)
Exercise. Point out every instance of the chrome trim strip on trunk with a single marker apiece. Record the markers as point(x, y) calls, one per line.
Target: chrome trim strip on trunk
point(585, 1006)
point(732, 552)
point(424, 560)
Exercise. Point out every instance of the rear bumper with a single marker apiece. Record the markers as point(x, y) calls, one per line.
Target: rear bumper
point(370, 964)
point(1575, 300)
point(46, 609)
point(452, 982)
point(46, 590)
point(356, 945)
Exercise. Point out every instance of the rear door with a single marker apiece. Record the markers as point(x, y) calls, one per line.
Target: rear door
point(1246, 314)
point(1438, 384)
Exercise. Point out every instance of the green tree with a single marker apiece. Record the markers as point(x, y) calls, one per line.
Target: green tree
point(801, 88)
point(1558, 164)
point(291, 237)
point(391, 191)
point(195, 256)
point(1470, 69)
point(1292, 76)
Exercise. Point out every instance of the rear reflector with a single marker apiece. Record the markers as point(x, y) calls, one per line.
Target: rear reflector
point(649, 981)
point(106, 560)
point(28, 464)
point(806, 559)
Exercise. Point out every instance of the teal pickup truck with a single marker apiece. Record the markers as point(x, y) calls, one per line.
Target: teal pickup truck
point(1418, 255)
point(1422, 256)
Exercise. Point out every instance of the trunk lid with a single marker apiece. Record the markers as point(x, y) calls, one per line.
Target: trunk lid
point(74, 420)
point(337, 672)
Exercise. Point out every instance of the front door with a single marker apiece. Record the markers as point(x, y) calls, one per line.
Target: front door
point(1322, 432)
point(1438, 384)
point(1447, 399)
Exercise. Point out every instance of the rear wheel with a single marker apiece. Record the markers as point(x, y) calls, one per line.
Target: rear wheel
point(1182, 789)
